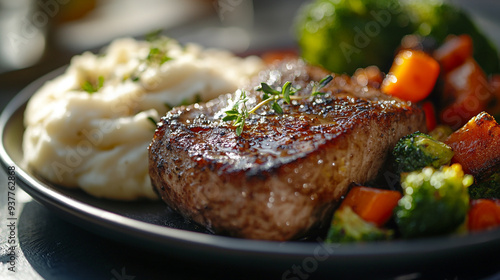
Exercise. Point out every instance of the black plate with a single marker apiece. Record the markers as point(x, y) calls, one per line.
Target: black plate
point(152, 225)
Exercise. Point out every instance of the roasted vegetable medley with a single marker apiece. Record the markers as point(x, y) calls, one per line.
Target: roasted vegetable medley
point(343, 35)
point(438, 192)
point(430, 53)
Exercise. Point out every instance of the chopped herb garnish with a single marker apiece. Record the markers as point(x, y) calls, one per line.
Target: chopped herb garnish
point(152, 120)
point(239, 112)
point(153, 35)
point(317, 87)
point(93, 87)
point(197, 98)
point(157, 55)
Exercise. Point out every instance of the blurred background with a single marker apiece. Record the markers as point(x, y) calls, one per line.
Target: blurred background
point(37, 36)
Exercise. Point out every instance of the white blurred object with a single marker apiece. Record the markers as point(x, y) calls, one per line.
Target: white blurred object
point(22, 34)
point(118, 18)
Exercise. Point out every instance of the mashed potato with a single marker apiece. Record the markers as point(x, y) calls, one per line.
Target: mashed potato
point(90, 127)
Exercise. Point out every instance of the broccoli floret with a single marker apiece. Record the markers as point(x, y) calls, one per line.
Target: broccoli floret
point(434, 201)
point(343, 35)
point(489, 188)
point(347, 226)
point(418, 150)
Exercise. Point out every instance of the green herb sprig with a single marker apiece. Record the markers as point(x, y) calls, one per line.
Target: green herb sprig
point(239, 111)
point(152, 120)
point(158, 52)
point(157, 55)
point(91, 87)
point(320, 85)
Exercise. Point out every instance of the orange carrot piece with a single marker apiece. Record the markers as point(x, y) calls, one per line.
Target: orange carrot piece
point(476, 146)
point(412, 76)
point(430, 115)
point(371, 204)
point(453, 52)
point(466, 93)
point(483, 214)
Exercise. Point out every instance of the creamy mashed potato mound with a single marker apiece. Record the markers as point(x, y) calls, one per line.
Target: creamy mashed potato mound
point(91, 126)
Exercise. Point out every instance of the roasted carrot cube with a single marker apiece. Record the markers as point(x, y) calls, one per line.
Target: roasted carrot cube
point(412, 76)
point(483, 214)
point(453, 52)
point(466, 93)
point(371, 204)
point(477, 146)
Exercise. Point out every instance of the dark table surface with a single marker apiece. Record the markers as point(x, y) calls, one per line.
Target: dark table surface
point(49, 247)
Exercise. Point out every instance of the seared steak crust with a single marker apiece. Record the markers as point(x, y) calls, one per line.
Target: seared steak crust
point(283, 175)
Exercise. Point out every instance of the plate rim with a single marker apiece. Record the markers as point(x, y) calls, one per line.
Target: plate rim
point(159, 238)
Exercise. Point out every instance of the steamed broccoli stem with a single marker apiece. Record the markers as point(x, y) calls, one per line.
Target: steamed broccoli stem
point(434, 201)
point(418, 150)
point(347, 226)
point(489, 188)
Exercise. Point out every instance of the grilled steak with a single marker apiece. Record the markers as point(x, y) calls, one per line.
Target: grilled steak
point(283, 175)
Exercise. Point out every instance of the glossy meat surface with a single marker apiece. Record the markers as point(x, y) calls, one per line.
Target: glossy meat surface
point(283, 175)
